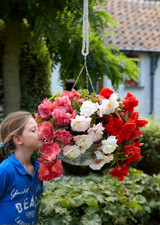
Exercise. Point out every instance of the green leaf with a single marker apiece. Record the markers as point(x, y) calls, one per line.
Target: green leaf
point(91, 219)
point(76, 105)
point(133, 204)
point(55, 96)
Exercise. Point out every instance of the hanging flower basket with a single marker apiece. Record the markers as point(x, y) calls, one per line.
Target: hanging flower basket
point(90, 130)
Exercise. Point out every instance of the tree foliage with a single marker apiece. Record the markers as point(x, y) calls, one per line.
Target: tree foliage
point(59, 23)
point(35, 72)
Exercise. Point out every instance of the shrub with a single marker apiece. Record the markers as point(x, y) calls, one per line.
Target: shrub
point(150, 161)
point(35, 75)
point(101, 200)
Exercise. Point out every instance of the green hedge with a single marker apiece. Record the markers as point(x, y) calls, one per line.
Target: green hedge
point(35, 75)
point(101, 200)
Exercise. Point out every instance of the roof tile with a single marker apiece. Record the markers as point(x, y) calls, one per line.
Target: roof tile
point(138, 24)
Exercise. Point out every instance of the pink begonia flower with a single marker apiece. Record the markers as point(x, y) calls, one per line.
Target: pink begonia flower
point(97, 164)
point(81, 100)
point(63, 136)
point(45, 109)
point(69, 94)
point(46, 130)
point(50, 150)
point(73, 114)
point(106, 158)
point(37, 117)
point(84, 141)
point(71, 151)
point(57, 169)
point(63, 102)
point(96, 132)
point(61, 118)
point(76, 94)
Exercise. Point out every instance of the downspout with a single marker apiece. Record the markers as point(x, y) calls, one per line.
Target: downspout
point(154, 64)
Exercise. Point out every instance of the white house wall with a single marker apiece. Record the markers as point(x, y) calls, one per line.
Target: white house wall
point(56, 83)
point(142, 92)
point(157, 90)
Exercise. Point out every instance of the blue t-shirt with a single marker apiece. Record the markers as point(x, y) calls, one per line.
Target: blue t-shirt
point(19, 192)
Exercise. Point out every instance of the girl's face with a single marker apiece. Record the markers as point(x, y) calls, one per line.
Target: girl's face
point(30, 138)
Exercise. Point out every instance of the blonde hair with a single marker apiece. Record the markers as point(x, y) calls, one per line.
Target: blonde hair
point(12, 125)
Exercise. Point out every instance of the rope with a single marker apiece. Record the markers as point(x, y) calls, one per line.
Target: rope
point(85, 46)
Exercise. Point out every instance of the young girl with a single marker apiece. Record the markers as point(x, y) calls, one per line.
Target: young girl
point(20, 187)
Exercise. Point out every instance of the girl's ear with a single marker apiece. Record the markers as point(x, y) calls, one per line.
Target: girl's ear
point(17, 140)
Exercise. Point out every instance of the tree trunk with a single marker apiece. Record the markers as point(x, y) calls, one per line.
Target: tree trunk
point(11, 58)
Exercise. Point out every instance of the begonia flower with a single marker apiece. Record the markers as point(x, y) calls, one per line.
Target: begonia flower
point(71, 151)
point(96, 132)
point(45, 109)
point(106, 92)
point(63, 136)
point(130, 102)
point(84, 141)
point(109, 144)
point(50, 150)
point(46, 130)
point(120, 172)
point(80, 123)
point(88, 108)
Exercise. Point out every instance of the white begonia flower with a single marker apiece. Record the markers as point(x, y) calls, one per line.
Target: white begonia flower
point(105, 158)
point(84, 141)
point(88, 108)
point(96, 165)
point(71, 151)
point(80, 123)
point(113, 97)
point(109, 145)
point(96, 132)
point(108, 106)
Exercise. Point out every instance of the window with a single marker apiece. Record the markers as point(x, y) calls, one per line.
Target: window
point(131, 82)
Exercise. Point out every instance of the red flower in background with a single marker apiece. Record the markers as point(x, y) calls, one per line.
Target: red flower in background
point(130, 102)
point(120, 171)
point(106, 92)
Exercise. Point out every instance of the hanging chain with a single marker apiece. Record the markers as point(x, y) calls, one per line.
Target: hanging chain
point(85, 45)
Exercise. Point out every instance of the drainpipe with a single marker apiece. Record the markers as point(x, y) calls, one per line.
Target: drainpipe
point(154, 63)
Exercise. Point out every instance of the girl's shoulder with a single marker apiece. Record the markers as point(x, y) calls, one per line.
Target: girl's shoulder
point(6, 164)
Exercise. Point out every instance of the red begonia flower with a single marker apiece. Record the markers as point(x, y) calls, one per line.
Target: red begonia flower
point(106, 92)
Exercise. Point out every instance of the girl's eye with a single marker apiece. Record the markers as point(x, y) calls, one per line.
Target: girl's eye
point(33, 130)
